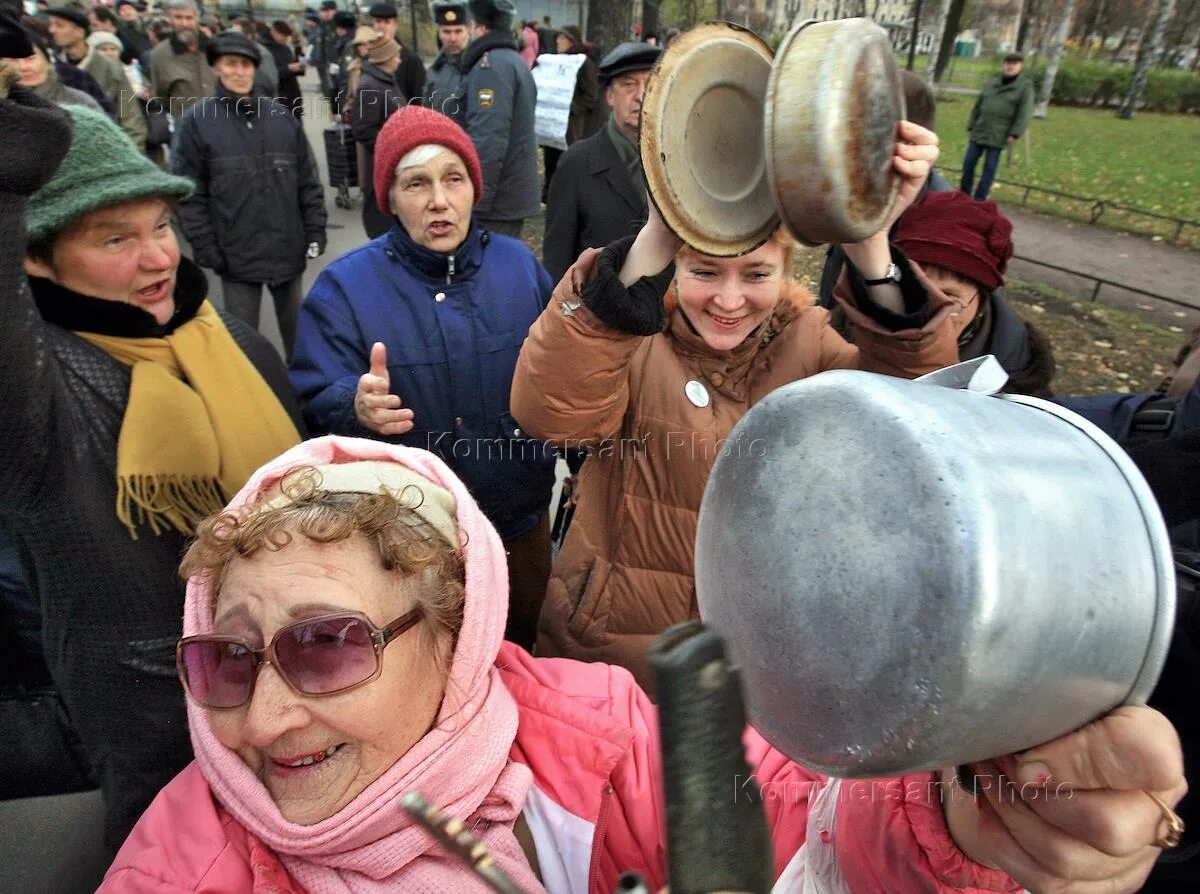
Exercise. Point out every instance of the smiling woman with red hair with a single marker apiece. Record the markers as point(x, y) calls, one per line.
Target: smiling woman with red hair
point(649, 354)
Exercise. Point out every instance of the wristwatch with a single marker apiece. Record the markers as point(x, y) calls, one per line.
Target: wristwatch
point(892, 276)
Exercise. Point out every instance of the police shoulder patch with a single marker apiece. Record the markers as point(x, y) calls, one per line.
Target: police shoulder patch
point(487, 96)
point(485, 61)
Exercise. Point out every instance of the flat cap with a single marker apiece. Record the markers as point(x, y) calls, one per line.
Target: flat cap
point(328, 4)
point(343, 18)
point(74, 16)
point(626, 57)
point(382, 11)
point(231, 43)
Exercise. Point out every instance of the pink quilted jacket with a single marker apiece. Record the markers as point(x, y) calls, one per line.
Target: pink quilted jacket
point(589, 735)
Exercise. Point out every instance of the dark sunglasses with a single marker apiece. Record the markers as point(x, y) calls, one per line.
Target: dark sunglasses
point(324, 655)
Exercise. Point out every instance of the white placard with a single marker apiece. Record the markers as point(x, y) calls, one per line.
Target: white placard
point(555, 75)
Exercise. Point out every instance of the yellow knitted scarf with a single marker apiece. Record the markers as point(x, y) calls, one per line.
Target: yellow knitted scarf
point(199, 421)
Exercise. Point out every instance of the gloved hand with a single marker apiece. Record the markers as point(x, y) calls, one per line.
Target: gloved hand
point(636, 310)
point(315, 250)
point(335, 70)
point(36, 135)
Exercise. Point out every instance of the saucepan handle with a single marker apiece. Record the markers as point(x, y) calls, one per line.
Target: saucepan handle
point(716, 829)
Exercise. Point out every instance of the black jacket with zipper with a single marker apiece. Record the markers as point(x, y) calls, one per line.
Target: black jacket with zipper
point(258, 201)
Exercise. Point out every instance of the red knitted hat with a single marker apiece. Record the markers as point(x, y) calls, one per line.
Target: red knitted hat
point(953, 231)
point(413, 126)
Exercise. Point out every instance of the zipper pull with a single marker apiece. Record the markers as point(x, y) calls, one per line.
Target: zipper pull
point(450, 269)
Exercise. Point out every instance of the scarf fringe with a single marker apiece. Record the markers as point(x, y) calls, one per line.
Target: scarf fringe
point(166, 501)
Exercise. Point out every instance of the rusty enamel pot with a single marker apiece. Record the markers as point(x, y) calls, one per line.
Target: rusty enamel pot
point(702, 139)
point(832, 105)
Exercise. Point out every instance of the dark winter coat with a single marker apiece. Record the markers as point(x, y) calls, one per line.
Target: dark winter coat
point(258, 201)
point(288, 88)
point(500, 100)
point(111, 605)
point(592, 202)
point(379, 95)
point(453, 326)
point(1001, 111)
point(410, 76)
point(444, 86)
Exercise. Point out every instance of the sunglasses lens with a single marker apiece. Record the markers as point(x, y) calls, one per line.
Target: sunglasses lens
point(218, 674)
point(326, 655)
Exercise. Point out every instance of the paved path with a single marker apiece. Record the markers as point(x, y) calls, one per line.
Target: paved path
point(1131, 260)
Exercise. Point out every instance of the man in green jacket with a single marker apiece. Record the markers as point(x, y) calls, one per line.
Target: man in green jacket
point(69, 28)
point(1000, 116)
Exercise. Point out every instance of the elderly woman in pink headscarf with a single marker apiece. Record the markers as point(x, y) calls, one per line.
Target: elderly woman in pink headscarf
point(342, 647)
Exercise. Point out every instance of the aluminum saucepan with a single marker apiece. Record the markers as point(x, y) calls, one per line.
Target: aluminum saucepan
point(914, 576)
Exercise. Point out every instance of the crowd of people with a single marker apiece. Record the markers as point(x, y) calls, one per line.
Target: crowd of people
point(369, 513)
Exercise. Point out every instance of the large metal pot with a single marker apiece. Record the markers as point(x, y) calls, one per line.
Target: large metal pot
point(913, 576)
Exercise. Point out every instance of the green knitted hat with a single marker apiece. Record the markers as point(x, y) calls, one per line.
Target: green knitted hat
point(101, 168)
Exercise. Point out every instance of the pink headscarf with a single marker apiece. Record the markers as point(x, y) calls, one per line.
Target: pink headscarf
point(461, 765)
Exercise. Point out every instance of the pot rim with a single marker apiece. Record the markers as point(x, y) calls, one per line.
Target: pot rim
point(654, 165)
point(1156, 531)
point(832, 221)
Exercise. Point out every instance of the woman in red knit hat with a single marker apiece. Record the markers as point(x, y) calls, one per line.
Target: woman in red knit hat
point(963, 248)
point(413, 338)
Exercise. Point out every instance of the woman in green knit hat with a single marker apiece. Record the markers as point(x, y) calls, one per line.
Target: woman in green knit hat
point(132, 410)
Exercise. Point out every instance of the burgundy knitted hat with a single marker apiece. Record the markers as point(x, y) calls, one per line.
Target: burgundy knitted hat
point(413, 126)
point(953, 231)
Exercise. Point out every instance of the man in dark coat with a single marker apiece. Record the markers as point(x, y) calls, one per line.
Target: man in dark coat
point(443, 86)
point(598, 193)
point(500, 101)
point(410, 75)
point(289, 69)
point(324, 46)
point(133, 35)
point(259, 209)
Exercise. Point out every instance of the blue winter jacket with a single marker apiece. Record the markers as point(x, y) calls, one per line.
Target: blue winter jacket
point(453, 325)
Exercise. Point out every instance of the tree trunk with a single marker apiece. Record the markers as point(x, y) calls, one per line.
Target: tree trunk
point(949, 35)
point(1056, 51)
point(1148, 52)
point(609, 24)
point(1020, 17)
point(935, 51)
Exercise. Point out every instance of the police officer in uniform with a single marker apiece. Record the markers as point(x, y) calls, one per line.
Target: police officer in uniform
point(500, 97)
point(443, 85)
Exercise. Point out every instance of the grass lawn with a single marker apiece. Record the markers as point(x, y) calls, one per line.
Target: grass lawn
point(1151, 162)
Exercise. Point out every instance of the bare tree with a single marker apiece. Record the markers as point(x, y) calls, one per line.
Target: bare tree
point(1056, 51)
point(1148, 51)
point(609, 23)
point(939, 28)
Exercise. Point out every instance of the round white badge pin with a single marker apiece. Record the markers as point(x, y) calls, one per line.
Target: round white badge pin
point(696, 393)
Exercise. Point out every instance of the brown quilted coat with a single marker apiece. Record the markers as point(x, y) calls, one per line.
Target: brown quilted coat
point(625, 571)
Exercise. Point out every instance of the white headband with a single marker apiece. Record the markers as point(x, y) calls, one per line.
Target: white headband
point(436, 506)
